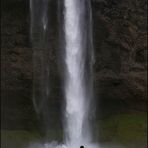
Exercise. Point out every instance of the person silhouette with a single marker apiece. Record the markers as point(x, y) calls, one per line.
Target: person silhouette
point(82, 146)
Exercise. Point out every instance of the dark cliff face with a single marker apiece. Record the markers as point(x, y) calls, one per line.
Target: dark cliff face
point(120, 41)
point(120, 44)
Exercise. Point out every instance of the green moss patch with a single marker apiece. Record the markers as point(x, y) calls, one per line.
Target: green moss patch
point(124, 129)
point(17, 138)
point(22, 138)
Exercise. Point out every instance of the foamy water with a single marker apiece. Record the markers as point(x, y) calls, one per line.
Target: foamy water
point(56, 145)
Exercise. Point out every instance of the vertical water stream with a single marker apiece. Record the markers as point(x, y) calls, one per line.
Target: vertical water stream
point(78, 61)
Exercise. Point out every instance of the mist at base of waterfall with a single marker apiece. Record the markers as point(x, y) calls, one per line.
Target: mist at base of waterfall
point(56, 145)
point(76, 145)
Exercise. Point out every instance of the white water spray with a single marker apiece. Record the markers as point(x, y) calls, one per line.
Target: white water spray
point(75, 64)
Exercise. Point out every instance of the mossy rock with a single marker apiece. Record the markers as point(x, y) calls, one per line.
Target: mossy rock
point(126, 129)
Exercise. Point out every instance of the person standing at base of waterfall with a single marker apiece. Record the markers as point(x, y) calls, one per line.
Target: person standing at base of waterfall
point(81, 146)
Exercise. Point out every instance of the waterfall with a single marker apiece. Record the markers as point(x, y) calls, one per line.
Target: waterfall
point(78, 65)
point(78, 59)
point(39, 35)
point(39, 23)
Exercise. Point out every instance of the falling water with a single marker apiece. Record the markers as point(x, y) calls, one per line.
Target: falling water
point(78, 61)
point(39, 23)
point(39, 34)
